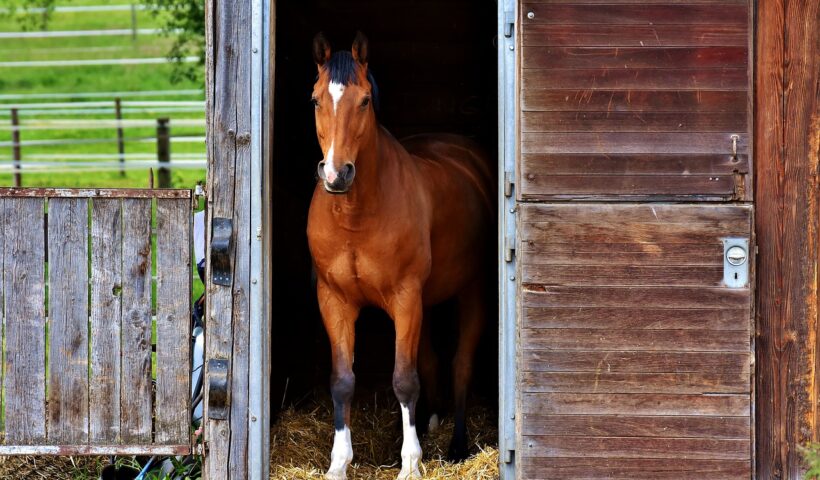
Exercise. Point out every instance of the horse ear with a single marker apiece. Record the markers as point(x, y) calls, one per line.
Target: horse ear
point(360, 48)
point(321, 49)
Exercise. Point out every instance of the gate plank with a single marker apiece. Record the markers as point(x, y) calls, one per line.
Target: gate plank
point(635, 35)
point(106, 318)
point(584, 340)
point(605, 382)
point(615, 253)
point(24, 295)
point(173, 321)
point(535, 468)
point(636, 78)
point(581, 275)
point(640, 164)
point(634, 57)
point(649, 297)
point(545, 121)
point(136, 321)
point(636, 318)
point(637, 14)
point(638, 100)
point(637, 447)
point(68, 320)
point(727, 405)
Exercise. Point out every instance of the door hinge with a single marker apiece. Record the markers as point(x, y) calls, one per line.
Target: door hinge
point(509, 184)
point(509, 23)
point(509, 456)
point(509, 249)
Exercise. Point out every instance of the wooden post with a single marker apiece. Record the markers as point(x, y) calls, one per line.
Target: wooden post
point(15, 145)
point(120, 135)
point(787, 132)
point(163, 152)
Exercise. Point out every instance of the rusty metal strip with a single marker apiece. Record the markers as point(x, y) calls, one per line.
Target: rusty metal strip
point(161, 450)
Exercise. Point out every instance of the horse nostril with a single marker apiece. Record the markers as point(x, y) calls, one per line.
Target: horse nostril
point(347, 172)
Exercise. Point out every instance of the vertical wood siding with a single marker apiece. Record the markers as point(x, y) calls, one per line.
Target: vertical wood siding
point(626, 99)
point(77, 377)
point(787, 140)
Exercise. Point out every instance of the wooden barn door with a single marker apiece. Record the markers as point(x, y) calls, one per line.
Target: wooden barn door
point(634, 240)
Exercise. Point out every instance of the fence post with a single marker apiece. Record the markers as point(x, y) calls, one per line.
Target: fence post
point(120, 141)
point(15, 145)
point(133, 22)
point(163, 152)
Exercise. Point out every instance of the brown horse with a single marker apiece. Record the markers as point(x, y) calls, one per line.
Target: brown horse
point(399, 226)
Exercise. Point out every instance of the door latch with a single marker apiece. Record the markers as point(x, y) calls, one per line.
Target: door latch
point(736, 262)
point(219, 392)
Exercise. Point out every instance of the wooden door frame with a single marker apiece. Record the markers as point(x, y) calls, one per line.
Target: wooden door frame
point(786, 140)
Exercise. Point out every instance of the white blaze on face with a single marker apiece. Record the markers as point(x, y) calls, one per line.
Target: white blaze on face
point(410, 448)
point(341, 455)
point(336, 91)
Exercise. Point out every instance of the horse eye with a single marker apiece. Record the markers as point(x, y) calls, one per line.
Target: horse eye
point(366, 101)
point(315, 102)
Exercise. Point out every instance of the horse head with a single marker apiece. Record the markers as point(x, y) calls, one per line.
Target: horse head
point(344, 99)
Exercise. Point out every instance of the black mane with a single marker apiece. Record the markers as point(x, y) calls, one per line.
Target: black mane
point(342, 69)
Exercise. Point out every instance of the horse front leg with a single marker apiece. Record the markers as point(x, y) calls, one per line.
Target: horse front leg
point(340, 318)
point(406, 312)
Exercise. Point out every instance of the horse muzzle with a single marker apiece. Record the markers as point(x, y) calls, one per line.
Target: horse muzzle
point(337, 182)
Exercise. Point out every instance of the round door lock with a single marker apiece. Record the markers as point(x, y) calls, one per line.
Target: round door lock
point(736, 255)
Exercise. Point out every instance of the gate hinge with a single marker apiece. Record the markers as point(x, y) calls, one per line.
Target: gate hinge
point(509, 23)
point(509, 456)
point(509, 184)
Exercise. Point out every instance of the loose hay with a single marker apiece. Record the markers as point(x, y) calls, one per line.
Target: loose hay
point(302, 439)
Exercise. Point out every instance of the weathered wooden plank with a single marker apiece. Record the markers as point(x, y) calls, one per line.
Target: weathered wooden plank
point(540, 468)
point(581, 275)
point(636, 14)
point(106, 321)
point(634, 404)
point(648, 297)
point(614, 229)
point(536, 185)
point(68, 320)
point(635, 35)
point(631, 254)
point(172, 418)
point(635, 79)
point(598, 164)
point(583, 340)
point(674, 234)
point(634, 57)
point(636, 426)
point(604, 382)
point(24, 311)
point(635, 362)
point(636, 447)
point(137, 404)
point(786, 105)
point(631, 142)
point(637, 317)
point(30, 192)
point(585, 121)
point(732, 216)
point(130, 450)
point(573, 100)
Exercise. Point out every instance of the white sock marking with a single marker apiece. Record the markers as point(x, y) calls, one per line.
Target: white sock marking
point(410, 448)
point(341, 455)
point(432, 426)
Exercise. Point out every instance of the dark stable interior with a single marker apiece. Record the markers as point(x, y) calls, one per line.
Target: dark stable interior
point(435, 66)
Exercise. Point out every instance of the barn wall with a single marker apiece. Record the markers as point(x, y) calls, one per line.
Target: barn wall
point(787, 127)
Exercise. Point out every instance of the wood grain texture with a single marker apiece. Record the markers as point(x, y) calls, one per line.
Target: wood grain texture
point(25, 320)
point(627, 187)
point(599, 100)
point(604, 382)
point(635, 35)
point(583, 340)
point(137, 401)
point(631, 142)
point(637, 317)
point(636, 14)
point(652, 164)
point(632, 122)
point(637, 447)
point(670, 79)
point(634, 57)
point(68, 320)
point(633, 469)
point(106, 321)
point(637, 426)
point(635, 404)
point(622, 253)
point(635, 362)
point(787, 100)
point(172, 418)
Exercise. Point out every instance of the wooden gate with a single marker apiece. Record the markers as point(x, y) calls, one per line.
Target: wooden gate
point(82, 316)
point(636, 351)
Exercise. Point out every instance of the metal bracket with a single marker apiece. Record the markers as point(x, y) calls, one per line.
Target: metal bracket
point(509, 249)
point(219, 392)
point(509, 183)
point(736, 262)
point(221, 238)
point(509, 23)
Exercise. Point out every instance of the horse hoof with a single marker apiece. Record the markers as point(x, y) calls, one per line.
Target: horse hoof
point(409, 475)
point(335, 476)
point(457, 452)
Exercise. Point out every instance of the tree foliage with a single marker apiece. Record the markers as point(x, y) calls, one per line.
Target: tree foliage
point(181, 20)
